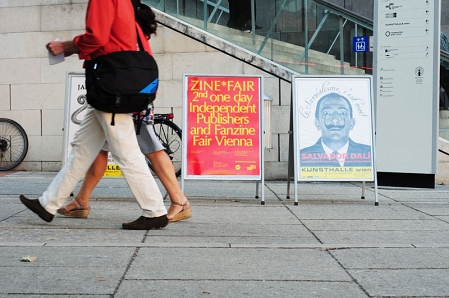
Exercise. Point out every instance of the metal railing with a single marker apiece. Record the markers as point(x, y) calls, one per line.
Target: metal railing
point(284, 38)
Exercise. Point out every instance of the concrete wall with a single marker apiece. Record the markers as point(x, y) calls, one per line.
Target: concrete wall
point(33, 93)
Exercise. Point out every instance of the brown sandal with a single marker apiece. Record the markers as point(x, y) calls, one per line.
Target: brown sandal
point(81, 211)
point(183, 214)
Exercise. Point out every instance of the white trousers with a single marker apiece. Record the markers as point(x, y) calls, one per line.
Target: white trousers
point(94, 130)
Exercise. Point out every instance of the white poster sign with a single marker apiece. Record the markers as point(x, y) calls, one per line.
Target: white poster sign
point(74, 111)
point(333, 128)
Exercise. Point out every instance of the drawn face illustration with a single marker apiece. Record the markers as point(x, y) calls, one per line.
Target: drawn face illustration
point(334, 120)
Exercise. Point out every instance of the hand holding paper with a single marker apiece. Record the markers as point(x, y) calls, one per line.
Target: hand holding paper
point(54, 59)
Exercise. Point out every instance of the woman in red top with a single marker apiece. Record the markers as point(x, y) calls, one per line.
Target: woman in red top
point(110, 27)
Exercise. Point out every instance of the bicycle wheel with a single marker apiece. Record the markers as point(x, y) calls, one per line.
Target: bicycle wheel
point(170, 136)
point(13, 144)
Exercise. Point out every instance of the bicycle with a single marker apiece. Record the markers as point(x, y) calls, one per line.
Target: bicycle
point(170, 136)
point(13, 144)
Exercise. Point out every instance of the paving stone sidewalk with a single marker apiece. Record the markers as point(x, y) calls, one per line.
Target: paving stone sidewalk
point(332, 244)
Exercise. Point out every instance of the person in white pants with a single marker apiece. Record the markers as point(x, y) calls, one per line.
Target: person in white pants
point(106, 31)
point(89, 139)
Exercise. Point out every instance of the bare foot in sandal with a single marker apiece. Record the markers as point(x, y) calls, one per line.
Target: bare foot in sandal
point(178, 212)
point(75, 209)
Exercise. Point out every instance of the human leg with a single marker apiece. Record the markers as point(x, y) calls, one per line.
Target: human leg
point(244, 12)
point(85, 146)
point(93, 176)
point(124, 149)
point(231, 20)
point(240, 15)
point(162, 165)
point(151, 146)
point(80, 206)
point(248, 15)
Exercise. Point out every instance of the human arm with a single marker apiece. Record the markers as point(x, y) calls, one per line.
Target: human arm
point(108, 29)
point(99, 19)
point(59, 47)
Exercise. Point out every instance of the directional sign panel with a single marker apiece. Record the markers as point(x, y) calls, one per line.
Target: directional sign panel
point(406, 85)
point(360, 44)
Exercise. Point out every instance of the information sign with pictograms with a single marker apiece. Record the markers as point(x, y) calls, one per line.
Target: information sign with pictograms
point(360, 44)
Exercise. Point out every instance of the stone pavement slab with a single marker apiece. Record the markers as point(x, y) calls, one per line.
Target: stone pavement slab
point(384, 238)
point(218, 288)
point(393, 258)
point(431, 208)
point(362, 210)
point(404, 283)
point(58, 280)
point(375, 224)
point(237, 264)
point(332, 244)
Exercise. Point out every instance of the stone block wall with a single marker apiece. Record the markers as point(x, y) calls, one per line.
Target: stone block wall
point(33, 93)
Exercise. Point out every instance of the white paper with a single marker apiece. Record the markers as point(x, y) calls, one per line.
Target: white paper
point(52, 59)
